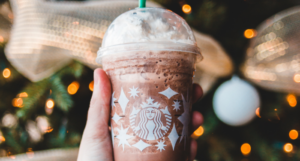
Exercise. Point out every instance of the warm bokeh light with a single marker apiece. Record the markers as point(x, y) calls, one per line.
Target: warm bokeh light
point(2, 139)
point(22, 95)
point(257, 111)
point(246, 149)
point(293, 134)
point(197, 133)
point(186, 9)
point(6, 73)
point(50, 129)
point(50, 103)
point(292, 100)
point(288, 147)
point(297, 78)
point(250, 33)
point(73, 87)
point(91, 86)
point(17, 102)
point(1, 39)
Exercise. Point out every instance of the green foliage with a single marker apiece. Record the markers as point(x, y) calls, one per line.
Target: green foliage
point(209, 17)
point(60, 95)
point(35, 91)
point(38, 90)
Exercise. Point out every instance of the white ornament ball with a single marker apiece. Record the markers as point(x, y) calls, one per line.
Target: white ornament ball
point(235, 102)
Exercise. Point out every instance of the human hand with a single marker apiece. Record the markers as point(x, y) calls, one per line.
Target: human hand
point(96, 144)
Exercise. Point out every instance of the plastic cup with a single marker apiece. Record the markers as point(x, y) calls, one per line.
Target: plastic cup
point(149, 55)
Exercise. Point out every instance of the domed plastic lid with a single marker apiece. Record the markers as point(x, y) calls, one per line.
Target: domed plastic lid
point(143, 29)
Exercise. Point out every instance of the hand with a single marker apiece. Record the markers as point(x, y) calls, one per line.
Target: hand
point(96, 142)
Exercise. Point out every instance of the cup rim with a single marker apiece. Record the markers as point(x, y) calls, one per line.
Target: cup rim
point(148, 46)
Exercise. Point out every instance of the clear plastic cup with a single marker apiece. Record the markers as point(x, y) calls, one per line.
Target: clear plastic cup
point(149, 55)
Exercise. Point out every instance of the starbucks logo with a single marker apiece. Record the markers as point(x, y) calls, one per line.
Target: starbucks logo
point(150, 122)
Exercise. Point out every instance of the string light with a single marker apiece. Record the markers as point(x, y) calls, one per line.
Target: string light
point(73, 88)
point(2, 139)
point(293, 134)
point(250, 33)
point(187, 9)
point(257, 111)
point(50, 129)
point(22, 95)
point(50, 103)
point(17, 102)
point(91, 86)
point(292, 100)
point(245, 149)
point(6, 73)
point(297, 78)
point(288, 147)
point(197, 133)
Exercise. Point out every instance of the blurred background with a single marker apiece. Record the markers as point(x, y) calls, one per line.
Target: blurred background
point(250, 75)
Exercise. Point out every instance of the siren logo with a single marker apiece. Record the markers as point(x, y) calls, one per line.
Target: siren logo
point(150, 122)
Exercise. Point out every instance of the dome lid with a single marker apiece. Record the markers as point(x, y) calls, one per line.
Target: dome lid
point(148, 29)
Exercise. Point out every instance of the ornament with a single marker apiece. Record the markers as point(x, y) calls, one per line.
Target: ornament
point(273, 59)
point(216, 63)
point(74, 30)
point(235, 102)
point(57, 32)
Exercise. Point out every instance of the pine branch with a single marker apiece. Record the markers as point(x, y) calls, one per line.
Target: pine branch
point(60, 95)
point(75, 68)
point(35, 91)
point(10, 140)
point(219, 149)
point(261, 146)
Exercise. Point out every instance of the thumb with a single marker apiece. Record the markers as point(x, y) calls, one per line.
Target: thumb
point(99, 111)
point(96, 142)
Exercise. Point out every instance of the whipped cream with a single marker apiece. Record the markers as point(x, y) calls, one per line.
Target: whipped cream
point(148, 25)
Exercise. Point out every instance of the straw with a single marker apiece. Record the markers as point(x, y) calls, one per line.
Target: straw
point(142, 4)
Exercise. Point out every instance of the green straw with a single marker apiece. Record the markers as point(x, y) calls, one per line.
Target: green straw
point(142, 4)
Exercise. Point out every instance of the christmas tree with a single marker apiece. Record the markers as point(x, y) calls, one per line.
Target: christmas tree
point(52, 113)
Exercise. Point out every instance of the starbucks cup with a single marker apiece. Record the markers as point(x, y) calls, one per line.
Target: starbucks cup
point(149, 54)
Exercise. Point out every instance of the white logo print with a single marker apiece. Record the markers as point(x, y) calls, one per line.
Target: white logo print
point(147, 122)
